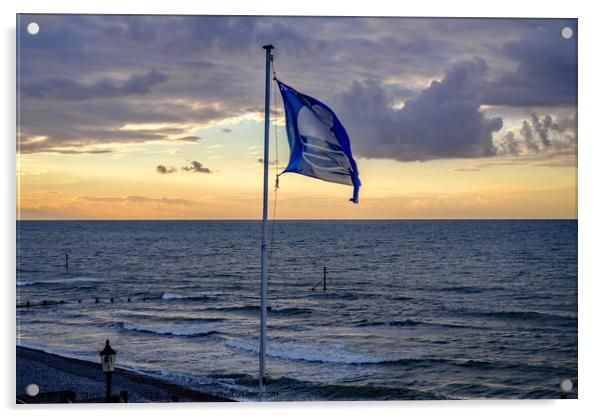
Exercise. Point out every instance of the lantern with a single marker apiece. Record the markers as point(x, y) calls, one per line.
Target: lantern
point(107, 358)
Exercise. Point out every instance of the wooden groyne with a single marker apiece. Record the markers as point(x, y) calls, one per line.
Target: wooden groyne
point(95, 300)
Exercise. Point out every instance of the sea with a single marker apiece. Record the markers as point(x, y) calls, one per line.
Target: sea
point(433, 309)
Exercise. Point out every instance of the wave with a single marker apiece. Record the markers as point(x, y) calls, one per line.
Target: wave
point(463, 289)
point(173, 296)
point(22, 270)
point(303, 352)
point(235, 309)
point(335, 355)
point(526, 315)
point(282, 310)
point(403, 298)
point(177, 296)
point(242, 387)
point(335, 295)
point(173, 317)
point(58, 281)
point(405, 323)
point(308, 390)
point(24, 283)
point(411, 323)
point(288, 310)
point(198, 330)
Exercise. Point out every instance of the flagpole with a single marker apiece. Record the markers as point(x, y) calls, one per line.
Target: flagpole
point(264, 222)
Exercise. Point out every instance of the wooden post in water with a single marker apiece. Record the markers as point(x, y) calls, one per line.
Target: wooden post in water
point(324, 279)
point(66, 261)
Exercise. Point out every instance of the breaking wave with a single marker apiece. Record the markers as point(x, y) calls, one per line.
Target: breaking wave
point(175, 330)
point(303, 352)
point(177, 296)
point(58, 281)
point(255, 309)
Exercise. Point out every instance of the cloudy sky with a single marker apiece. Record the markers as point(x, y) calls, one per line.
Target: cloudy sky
point(140, 117)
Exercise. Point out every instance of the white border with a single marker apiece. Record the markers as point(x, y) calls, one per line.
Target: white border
point(590, 153)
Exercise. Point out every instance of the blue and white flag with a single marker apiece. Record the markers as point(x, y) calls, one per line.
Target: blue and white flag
point(318, 141)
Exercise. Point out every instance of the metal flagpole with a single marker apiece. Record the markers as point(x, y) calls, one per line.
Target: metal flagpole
point(264, 222)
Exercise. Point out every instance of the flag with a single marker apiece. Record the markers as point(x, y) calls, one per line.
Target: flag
point(318, 141)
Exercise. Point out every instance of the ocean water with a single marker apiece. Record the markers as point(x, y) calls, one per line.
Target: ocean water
point(412, 310)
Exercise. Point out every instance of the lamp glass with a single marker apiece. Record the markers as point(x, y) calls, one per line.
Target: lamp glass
point(108, 363)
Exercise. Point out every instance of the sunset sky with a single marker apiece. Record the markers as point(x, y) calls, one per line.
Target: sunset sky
point(139, 117)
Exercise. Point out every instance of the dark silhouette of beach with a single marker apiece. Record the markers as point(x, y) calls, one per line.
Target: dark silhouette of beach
point(57, 373)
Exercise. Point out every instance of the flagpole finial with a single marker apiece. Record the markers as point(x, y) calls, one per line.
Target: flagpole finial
point(268, 46)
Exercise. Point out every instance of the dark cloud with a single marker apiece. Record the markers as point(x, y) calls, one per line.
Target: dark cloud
point(196, 167)
point(89, 128)
point(546, 73)
point(161, 169)
point(176, 35)
point(232, 33)
point(215, 66)
point(227, 130)
point(527, 132)
point(67, 141)
point(510, 144)
point(67, 89)
point(542, 136)
point(567, 123)
point(444, 121)
point(556, 133)
point(543, 128)
point(31, 148)
point(140, 28)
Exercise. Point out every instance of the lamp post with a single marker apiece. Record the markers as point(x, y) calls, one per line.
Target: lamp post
point(107, 360)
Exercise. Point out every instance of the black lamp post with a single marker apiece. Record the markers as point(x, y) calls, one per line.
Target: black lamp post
point(107, 360)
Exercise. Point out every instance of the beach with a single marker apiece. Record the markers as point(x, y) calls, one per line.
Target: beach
point(57, 373)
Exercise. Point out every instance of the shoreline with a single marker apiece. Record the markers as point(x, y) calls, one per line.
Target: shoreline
point(53, 372)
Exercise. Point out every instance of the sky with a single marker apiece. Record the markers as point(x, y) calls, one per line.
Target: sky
point(161, 117)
